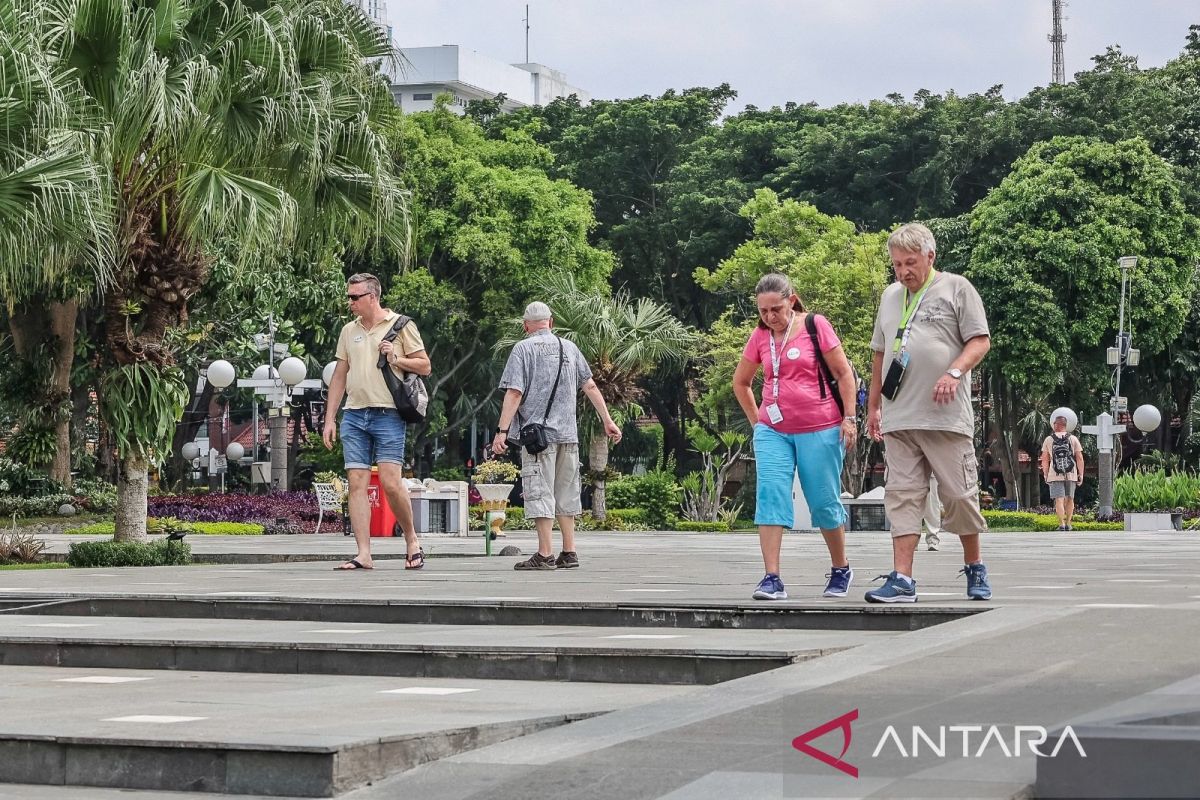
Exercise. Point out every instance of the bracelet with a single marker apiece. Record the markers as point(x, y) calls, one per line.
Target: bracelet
point(849, 419)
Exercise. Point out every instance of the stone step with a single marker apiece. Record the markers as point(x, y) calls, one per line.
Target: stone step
point(792, 615)
point(290, 736)
point(589, 654)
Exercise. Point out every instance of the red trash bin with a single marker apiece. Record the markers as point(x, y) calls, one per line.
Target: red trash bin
point(383, 521)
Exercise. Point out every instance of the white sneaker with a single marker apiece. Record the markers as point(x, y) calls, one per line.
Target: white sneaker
point(932, 541)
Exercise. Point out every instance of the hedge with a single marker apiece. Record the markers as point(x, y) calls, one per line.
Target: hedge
point(1026, 521)
point(705, 527)
point(203, 528)
point(129, 554)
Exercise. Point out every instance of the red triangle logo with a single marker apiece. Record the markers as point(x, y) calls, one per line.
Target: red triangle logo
point(801, 742)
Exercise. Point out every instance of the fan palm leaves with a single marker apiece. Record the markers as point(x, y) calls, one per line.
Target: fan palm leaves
point(237, 121)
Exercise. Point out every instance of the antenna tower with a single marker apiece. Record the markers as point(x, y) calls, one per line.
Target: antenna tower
point(527, 33)
point(1056, 42)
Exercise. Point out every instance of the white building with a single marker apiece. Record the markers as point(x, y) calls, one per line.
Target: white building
point(376, 10)
point(425, 72)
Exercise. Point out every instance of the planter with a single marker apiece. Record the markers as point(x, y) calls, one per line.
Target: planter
point(1153, 521)
point(494, 497)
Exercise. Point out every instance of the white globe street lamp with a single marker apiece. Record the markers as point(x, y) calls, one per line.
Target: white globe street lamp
point(327, 373)
point(1147, 418)
point(221, 373)
point(264, 372)
point(292, 371)
point(1063, 411)
point(235, 451)
point(190, 451)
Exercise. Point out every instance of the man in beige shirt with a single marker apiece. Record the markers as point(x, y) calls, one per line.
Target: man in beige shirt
point(372, 431)
point(930, 331)
point(1062, 484)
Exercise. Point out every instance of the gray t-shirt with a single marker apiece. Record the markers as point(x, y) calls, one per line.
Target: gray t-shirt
point(950, 314)
point(531, 368)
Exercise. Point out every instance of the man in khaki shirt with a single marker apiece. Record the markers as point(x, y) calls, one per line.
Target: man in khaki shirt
point(372, 431)
point(930, 332)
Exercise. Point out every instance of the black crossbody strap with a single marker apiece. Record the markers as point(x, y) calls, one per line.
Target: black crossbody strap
point(554, 389)
point(390, 336)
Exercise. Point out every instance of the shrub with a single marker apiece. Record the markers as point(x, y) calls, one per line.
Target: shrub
point(632, 518)
point(19, 547)
point(515, 521)
point(448, 474)
point(129, 554)
point(19, 480)
point(44, 506)
point(1010, 520)
point(281, 527)
point(656, 494)
point(1155, 490)
point(94, 494)
point(706, 527)
point(165, 526)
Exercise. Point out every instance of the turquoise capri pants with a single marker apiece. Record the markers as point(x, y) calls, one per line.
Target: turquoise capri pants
point(817, 457)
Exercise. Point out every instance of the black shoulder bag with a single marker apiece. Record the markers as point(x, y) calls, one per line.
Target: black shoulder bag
point(533, 434)
point(824, 374)
point(408, 393)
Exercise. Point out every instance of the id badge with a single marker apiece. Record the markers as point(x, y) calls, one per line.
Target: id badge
point(774, 414)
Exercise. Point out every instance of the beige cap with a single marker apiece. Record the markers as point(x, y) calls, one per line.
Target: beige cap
point(536, 311)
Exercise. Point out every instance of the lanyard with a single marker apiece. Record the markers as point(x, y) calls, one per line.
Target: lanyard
point(907, 312)
point(775, 355)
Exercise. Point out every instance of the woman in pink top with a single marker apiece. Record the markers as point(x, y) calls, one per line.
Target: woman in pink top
point(799, 429)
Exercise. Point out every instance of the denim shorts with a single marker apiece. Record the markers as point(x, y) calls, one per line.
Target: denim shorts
point(816, 458)
point(372, 436)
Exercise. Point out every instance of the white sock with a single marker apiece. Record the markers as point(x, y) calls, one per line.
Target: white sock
point(902, 576)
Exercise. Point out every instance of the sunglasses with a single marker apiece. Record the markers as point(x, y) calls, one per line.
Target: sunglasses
point(354, 297)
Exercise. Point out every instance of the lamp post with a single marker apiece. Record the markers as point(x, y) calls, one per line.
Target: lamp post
point(1121, 355)
point(276, 385)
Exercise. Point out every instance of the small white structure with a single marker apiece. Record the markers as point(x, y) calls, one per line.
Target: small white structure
point(425, 72)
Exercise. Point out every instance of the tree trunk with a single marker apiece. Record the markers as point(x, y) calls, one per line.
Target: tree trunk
point(62, 327)
point(132, 487)
point(598, 464)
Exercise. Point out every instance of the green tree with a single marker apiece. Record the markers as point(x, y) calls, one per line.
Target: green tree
point(623, 340)
point(260, 126)
point(489, 224)
point(1045, 263)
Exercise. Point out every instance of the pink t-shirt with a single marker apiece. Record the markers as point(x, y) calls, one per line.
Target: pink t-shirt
point(799, 388)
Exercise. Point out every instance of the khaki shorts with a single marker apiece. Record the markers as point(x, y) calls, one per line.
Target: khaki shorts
point(550, 482)
point(912, 456)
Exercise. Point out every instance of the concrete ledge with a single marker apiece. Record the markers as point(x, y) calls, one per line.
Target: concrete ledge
point(611, 665)
point(1144, 756)
point(260, 770)
point(600, 614)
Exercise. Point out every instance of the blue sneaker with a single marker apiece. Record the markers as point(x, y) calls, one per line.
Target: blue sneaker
point(770, 588)
point(978, 587)
point(894, 590)
point(839, 581)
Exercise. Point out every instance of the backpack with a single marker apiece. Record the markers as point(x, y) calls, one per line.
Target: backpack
point(824, 374)
point(1062, 455)
point(408, 393)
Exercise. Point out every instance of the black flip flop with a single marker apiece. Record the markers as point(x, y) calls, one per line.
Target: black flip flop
point(415, 561)
point(354, 561)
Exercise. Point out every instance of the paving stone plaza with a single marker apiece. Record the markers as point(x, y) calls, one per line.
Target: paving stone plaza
point(647, 673)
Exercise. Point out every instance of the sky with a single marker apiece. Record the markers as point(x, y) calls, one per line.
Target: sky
point(775, 51)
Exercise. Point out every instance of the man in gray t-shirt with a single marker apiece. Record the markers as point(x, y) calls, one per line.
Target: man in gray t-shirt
point(550, 479)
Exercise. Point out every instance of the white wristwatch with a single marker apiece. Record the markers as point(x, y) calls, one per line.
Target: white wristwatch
point(954, 372)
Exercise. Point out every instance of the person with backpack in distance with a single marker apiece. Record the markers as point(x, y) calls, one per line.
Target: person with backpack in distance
point(803, 426)
point(1062, 466)
point(372, 428)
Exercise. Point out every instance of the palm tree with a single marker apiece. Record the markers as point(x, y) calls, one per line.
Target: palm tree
point(55, 234)
point(623, 340)
point(260, 124)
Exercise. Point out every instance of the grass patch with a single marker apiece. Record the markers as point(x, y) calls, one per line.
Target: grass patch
point(39, 565)
point(107, 528)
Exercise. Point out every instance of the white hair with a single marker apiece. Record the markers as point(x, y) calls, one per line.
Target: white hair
point(913, 238)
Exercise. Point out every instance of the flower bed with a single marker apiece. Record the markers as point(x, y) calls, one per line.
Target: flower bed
point(296, 507)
